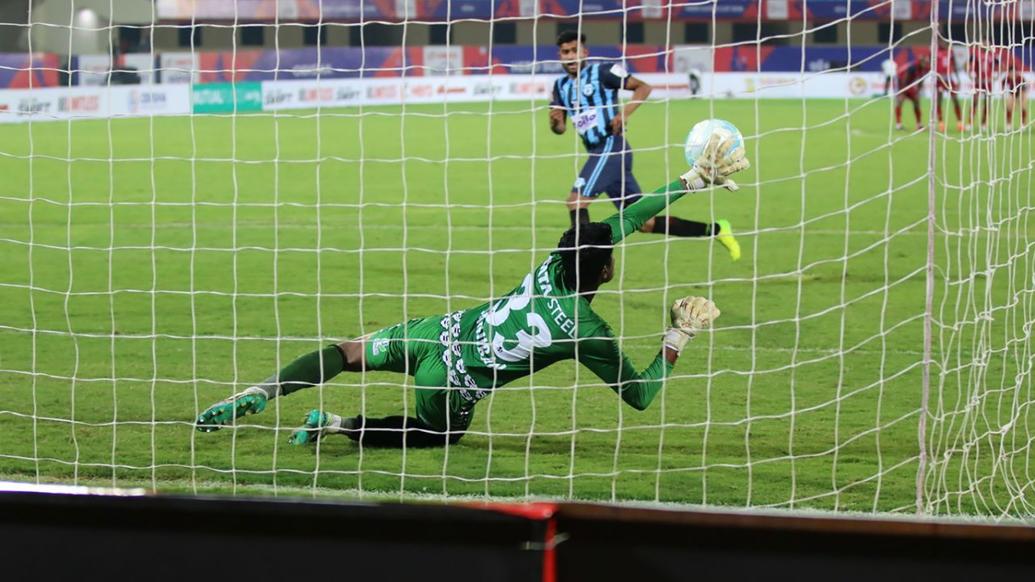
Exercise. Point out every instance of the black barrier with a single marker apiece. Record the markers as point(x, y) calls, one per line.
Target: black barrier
point(100, 537)
point(645, 544)
point(92, 537)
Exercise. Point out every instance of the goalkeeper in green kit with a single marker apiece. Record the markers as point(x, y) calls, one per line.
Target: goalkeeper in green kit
point(457, 358)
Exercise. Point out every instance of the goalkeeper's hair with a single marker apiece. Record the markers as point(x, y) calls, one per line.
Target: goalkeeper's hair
point(585, 250)
point(570, 35)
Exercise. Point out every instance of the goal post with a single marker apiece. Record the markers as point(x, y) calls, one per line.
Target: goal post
point(199, 194)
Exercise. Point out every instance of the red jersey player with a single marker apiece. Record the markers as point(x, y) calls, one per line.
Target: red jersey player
point(947, 82)
point(1015, 90)
point(910, 80)
point(982, 74)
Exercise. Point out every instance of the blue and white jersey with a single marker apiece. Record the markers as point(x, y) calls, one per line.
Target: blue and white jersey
point(591, 100)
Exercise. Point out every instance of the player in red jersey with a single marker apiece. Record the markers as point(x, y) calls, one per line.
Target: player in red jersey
point(1015, 90)
point(982, 74)
point(947, 83)
point(910, 81)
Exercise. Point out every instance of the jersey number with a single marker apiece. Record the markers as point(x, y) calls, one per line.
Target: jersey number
point(540, 334)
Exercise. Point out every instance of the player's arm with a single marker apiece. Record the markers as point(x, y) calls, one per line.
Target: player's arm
point(604, 358)
point(558, 120)
point(558, 113)
point(716, 163)
point(641, 90)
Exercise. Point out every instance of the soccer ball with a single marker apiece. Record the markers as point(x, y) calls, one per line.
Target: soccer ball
point(702, 132)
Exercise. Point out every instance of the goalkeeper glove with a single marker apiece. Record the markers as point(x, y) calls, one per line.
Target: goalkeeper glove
point(719, 160)
point(689, 315)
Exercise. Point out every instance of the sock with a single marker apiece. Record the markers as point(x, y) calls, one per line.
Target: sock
point(305, 372)
point(396, 432)
point(941, 113)
point(581, 213)
point(959, 114)
point(916, 112)
point(1024, 116)
point(335, 423)
point(1009, 116)
point(898, 113)
point(679, 227)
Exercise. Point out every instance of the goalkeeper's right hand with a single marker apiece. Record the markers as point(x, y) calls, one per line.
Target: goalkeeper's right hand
point(689, 315)
point(719, 160)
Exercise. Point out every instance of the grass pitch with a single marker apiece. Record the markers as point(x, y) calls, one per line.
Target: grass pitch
point(152, 267)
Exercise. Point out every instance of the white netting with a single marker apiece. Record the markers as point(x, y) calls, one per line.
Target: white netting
point(199, 193)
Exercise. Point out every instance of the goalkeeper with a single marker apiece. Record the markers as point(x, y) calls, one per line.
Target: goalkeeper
point(457, 358)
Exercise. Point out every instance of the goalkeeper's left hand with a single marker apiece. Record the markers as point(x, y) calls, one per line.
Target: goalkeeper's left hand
point(719, 160)
point(689, 315)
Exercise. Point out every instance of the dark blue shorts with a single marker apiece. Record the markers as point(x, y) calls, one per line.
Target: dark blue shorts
point(609, 171)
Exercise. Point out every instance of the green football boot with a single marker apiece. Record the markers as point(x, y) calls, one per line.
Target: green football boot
point(316, 424)
point(251, 401)
point(726, 239)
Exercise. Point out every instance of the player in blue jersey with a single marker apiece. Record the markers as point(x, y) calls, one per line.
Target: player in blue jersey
point(588, 93)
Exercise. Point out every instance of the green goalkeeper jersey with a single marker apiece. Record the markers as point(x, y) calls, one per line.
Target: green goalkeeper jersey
point(542, 322)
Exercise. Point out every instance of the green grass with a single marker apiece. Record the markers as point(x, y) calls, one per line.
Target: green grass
point(166, 263)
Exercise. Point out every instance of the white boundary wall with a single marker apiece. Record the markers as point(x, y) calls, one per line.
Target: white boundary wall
point(393, 91)
point(93, 102)
point(175, 99)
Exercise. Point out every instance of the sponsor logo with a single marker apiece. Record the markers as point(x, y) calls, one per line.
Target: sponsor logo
point(487, 89)
point(447, 90)
point(383, 92)
point(32, 106)
point(79, 104)
point(587, 90)
point(208, 97)
point(857, 86)
point(347, 94)
point(227, 97)
point(277, 97)
point(529, 88)
point(378, 346)
point(422, 90)
point(819, 65)
point(146, 101)
point(316, 95)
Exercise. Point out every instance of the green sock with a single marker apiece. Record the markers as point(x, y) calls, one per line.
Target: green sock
point(309, 370)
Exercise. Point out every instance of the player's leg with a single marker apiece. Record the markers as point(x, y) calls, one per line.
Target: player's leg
point(387, 349)
point(441, 417)
point(308, 370)
point(986, 102)
point(435, 424)
point(898, 111)
point(936, 104)
point(1009, 104)
point(954, 95)
point(387, 432)
point(915, 98)
point(587, 186)
point(1022, 98)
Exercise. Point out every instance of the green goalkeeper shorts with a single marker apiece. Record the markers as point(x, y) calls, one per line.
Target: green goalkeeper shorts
point(415, 348)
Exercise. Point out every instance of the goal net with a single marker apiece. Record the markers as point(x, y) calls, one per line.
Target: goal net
point(198, 194)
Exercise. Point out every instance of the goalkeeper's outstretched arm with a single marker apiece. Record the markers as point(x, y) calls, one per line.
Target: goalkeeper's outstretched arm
point(604, 358)
point(715, 165)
